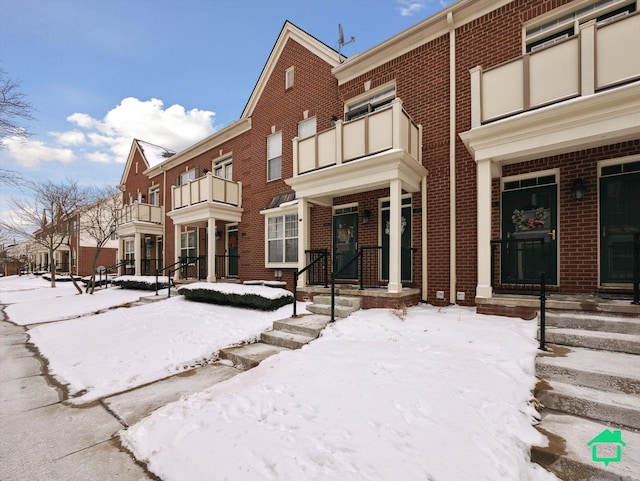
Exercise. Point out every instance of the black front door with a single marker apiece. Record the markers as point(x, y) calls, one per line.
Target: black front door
point(345, 244)
point(232, 250)
point(619, 221)
point(529, 221)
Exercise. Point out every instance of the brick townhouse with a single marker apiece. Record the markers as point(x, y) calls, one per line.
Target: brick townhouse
point(454, 161)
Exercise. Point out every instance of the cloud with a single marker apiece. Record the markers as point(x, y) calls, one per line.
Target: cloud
point(108, 140)
point(72, 137)
point(30, 153)
point(409, 8)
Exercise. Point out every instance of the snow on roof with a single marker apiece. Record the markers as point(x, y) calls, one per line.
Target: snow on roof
point(154, 154)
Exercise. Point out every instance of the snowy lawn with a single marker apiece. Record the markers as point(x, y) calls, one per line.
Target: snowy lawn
point(124, 348)
point(33, 300)
point(441, 395)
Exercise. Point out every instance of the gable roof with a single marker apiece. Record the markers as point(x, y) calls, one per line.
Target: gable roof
point(289, 31)
point(151, 154)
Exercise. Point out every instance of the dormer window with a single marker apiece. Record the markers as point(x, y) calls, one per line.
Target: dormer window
point(370, 103)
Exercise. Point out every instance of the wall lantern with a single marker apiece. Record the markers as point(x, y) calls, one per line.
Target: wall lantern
point(218, 235)
point(578, 189)
point(366, 215)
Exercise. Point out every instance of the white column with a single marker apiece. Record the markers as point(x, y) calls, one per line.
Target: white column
point(137, 254)
point(395, 254)
point(483, 180)
point(211, 250)
point(476, 97)
point(304, 241)
point(588, 58)
point(176, 248)
point(120, 254)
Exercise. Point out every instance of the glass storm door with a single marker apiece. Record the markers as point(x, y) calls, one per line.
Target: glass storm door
point(619, 221)
point(232, 250)
point(529, 222)
point(405, 241)
point(345, 243)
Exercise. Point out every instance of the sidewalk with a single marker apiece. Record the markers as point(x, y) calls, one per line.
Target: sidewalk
point(42, 439)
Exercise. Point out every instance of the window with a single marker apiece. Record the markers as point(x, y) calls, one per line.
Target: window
point(73, 258)
point(282, 238)
point(129, 249)
point(274, 156)
point(224, 168)
point(188, 245)
point(565, 25)
point(154, 195)
point(370, 103)
point(185, 177)
point(289, 78)
point(307, 128)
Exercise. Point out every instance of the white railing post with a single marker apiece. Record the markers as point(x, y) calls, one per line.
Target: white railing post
point(296, 167)
point(174, 200)
point(339, 126)
point(209, 180)
point(239, 201)
point(396, 118)
point(476, 96)
point(588, 58)
point(419, 153)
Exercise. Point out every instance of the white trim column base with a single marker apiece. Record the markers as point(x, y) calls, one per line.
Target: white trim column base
point(211, 250)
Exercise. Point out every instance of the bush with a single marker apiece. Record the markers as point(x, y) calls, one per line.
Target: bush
point(133, 282)
point(246, 300)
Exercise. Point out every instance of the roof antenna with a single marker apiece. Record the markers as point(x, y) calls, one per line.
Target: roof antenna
point(342, 43)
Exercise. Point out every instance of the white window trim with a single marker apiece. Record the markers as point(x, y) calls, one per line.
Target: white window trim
point(289, 82)
point(222, 163)
point(275, 157)
point(186, 234)
point(366, 97)
point(156, 191)
point(278, 212)
point(308, 122)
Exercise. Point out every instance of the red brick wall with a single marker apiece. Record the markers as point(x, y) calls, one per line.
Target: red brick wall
point(106, 258)
point(136, 181)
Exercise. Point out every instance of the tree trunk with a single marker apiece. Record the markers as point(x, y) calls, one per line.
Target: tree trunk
point(52, 270)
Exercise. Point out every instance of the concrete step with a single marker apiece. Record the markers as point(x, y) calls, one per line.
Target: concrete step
point(607, 341)
point(345, 301)
point(325, 309)
point(249, 356)
point(289, 340)
point(603, 322)
point(571, 459)
point(309, 325)
point(618, 408)
point(608, 371)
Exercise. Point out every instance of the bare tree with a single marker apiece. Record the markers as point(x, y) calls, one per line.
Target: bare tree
point(99, 222)
point(44, 217)
point(13, 107)
point(10, 178)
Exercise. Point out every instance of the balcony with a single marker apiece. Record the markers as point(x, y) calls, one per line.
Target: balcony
point(358, 155)
point(579, 93)
point(137, 212)
point(140, 218)
point(204, 198)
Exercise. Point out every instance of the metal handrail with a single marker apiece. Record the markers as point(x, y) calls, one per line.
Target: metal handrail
point(333, 281)
point(183, 262)
point(124, 262)
point(636, 269)
point(324, 254)
point(543, 302)
point(516, 242)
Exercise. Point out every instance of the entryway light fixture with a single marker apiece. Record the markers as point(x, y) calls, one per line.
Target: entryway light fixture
point(365, 216)
point(578, 189)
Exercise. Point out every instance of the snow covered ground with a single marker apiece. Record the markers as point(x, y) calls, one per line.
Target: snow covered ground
point(442, 394)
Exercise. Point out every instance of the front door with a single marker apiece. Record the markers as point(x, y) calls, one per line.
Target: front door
point(405, 241)
point(345, 242)
point(232, 251)
point(529, 221)
point(619, 221)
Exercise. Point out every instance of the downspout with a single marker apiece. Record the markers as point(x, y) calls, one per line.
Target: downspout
point(452, 159)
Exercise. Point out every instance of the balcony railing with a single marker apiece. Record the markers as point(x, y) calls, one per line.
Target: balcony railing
point(207, 188)
point(385, 129)
point(598, 58)
point(141, 212)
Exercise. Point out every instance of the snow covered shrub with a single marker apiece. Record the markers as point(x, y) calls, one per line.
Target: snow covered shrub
point(247, 296)
point(141, 283)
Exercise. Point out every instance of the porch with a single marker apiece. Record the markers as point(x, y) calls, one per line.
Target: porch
point(199, 204)
point(382, 150)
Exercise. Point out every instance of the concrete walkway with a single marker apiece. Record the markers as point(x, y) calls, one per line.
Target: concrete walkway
point(42, 439)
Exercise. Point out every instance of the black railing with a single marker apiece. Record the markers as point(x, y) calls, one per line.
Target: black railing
point(193, 267)
point(181, 266)
point(636, 268)
point(317, 266)
point(150, 266)
point(334, 274)
point(543, 303)
point(126, 263)
point(227, 266)
point(368, 266)
point(518, 264)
